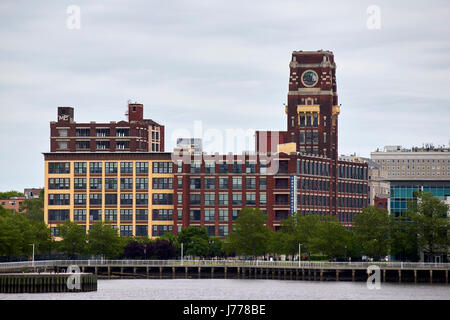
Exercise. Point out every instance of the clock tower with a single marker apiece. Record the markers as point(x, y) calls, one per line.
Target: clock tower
point(312, 110)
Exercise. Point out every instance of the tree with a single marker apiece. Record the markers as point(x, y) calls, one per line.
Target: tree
point(251, 234)
point(164, 250)
point(104, 240)
point(372, 231)
point(215, 247)
point(195, 241)
point(73, 238)
point(403, 235)
point(429, 215)
point(332, 238)
point(10, 194)
point(134, 250)
point(34, 208)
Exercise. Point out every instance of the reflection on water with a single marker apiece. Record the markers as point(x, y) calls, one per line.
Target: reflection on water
point(240, 289)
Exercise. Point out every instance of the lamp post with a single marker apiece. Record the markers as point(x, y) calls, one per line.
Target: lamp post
point(299, 254)
point(182, 253)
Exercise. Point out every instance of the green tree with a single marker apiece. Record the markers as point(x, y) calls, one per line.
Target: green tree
point(195, 241)
point(10, 237)
point(34, 208)
point(73, 238)
point(104, 240)
point(10, 194)
point(215, 247)
point(403, 235)
point(371, 229)
point(332, 238)
point(429, 216)
point(251, 235)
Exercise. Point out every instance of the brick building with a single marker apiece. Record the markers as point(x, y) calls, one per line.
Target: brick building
point(135, 135)
point(296, 170)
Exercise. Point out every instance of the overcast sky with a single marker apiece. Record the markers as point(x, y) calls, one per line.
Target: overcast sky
point(224, 63)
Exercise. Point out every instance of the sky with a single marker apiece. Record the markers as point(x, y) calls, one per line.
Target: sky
point(219, 65)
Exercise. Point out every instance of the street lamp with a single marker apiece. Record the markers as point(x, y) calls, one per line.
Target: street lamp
point(182, 253)
point(299, 254)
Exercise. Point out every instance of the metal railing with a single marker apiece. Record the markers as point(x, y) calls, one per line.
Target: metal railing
point(222, 263)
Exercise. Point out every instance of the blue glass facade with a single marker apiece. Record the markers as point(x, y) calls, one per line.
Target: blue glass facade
point(400, 194)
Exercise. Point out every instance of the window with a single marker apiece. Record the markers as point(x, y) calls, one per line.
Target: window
point(223, 199)
point(210, 167)
point(223, 167)
point(162, 198)
point(194, 199)
point(223, 214)
point(210, 199)
point(58, 215)
point(110, 167)
point(110, 199)
point(95, 215)
point(126, 215)
point(141, 199)
point(237, 183)
point(62, 145)
point(95, 199)
point(126, 230)
point(250, 199)
point(141, 167)
point(209, 215)
point(102, 132)
point(163, 214)
point(210, 183)
point(79, 183)
point(58, 199)
point(262, 183)
point(142, 183)
point(223, 231)
point(111, 214)
point(126, 198)
point(95, 167)
point(250, 167)
point(211, 229)
point(102, 145)
point(160, 230)
point(111, 183)
point(95, 183)
point(58, 183)
point(262, 199)
point(250, 183)
point(223, 183)
point(162, 183)
point(141, 214)
point(236, 167)
point(126, 168)
point(80, 168)
point(195, 167)
point(194, 215)
point(302, 137)
point(141, 231)
point(237, 199)
point(59, 167)
point(235, 214)
point(195, 183)
point(126, 183)
point(162, 167)
point(79, 199)
point(123, 132)
point(83, 145)
point(83, 132)
point(62, 132)
point(79, 215)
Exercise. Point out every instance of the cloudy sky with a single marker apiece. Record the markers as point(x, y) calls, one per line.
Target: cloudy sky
point(224, 63)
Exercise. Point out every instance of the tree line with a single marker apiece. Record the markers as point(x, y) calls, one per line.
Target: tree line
point(375, 234)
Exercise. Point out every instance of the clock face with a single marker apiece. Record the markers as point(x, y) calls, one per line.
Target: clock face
point(309, 78)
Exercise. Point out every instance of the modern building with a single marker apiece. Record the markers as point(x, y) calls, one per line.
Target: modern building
point(424, 168)
point(149, 193)
point(135, 135)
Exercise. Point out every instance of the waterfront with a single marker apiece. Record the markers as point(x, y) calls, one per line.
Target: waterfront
point(241, 289)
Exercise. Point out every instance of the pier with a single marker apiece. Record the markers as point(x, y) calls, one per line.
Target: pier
point(45, 282)
point(400, 272)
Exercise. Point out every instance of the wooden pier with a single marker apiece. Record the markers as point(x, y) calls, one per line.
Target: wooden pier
point(45, 282)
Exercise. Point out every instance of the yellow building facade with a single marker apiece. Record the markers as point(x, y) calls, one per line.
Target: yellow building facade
point(131, 191)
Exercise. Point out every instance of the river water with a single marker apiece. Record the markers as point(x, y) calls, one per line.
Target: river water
point(241, 289)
